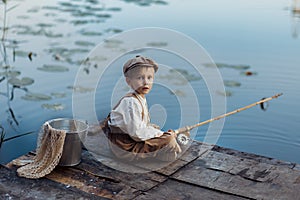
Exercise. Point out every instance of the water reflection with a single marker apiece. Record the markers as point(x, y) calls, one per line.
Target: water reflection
point(49, 40)
point(296, 18)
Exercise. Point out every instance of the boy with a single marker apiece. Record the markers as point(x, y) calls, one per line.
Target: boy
point(131, 135)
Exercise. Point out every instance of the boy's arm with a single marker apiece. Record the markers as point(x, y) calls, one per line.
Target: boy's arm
point(128, 117)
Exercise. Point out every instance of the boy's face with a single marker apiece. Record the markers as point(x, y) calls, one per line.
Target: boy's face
point(141, 79)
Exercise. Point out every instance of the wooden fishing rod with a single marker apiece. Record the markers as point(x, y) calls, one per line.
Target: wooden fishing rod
point(188, 128)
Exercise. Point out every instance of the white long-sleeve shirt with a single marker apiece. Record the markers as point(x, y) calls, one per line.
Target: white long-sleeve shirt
point(128, 117)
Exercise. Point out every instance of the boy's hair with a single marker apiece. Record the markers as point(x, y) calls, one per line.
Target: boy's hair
point(139, 61)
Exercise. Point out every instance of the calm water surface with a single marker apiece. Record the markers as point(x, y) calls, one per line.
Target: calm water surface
point(260, 34)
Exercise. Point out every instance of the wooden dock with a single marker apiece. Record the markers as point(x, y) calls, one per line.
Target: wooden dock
point(203, 172)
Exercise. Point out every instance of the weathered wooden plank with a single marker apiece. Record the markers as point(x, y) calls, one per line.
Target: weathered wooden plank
point(297, 167)
point(202, 173)
point(93, 177)
point(172, 189)
point(213, 172)
point(140, 181)
point(195, 150)
point(255, 157)
point(172, 167)
point(14, 187)
point(247, 168)
point(86, 182)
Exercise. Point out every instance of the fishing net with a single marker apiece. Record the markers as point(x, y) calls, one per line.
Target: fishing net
point(48, 153)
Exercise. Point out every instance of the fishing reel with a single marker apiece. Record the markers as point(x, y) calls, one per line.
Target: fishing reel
point(183, 138)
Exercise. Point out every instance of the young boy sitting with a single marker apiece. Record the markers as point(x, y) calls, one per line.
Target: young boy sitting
point(131, 135)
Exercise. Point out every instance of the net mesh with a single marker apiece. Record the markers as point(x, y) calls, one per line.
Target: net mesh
point(48, 153)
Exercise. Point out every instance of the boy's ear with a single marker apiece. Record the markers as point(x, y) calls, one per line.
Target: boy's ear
point(128, 80)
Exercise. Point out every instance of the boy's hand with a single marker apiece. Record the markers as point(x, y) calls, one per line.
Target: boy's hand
point(172, 132)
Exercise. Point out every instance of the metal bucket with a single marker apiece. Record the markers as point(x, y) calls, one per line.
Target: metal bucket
point(72, 147)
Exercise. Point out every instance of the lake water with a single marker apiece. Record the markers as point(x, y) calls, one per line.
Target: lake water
point(263, 35)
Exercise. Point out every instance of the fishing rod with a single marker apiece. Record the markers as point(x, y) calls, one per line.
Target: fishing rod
point(183, 138)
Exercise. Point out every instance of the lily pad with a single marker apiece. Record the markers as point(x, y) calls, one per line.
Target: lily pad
point(174, 78)
point(113, 30)
point(179, 93)
point(58, 94)
point(67, 4)
point(160, 2)
point(186, 74)
point(238, 67)
point(114, 9)
point(232, 83)
point(226, 93)
point(10, 73)
point(50, 7)
point(78, 50)
point(53, 68)
point(84, 43)
point(77, 13)
point(112, 43)
point(94, 8)
point(80, 89)
point(79, 22)
point(157, 44)
point(44, 25)
point(21, 82)
point(50, 34)
point(223, 65)
point(98, 58)
point(89, 33)
point(34, 10)
point(55, 106)
point(21, 53)
point(36, 97)
point(103, 15)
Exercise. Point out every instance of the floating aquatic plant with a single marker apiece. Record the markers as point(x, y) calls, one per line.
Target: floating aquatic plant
point(83, 22)
point(114, 9)
point(157, 44)
point(89, 33)
point(230, 83)
point(10, 73)
point(21, 53)
point(113, 30)
point(223, 65)
point(58, 94)
point(112, 43)
point(178, 93)
point(68, 4)
point(84, 43)
point(147, 2)
point(21, 82)
point(55, 106)
point(50, 7)
point(179, 80)
point(34, 10)
point(226, 93)
point(53, 68)
point(186, 74)
point(36, 97)
point(80, 89)
point(45, 25)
